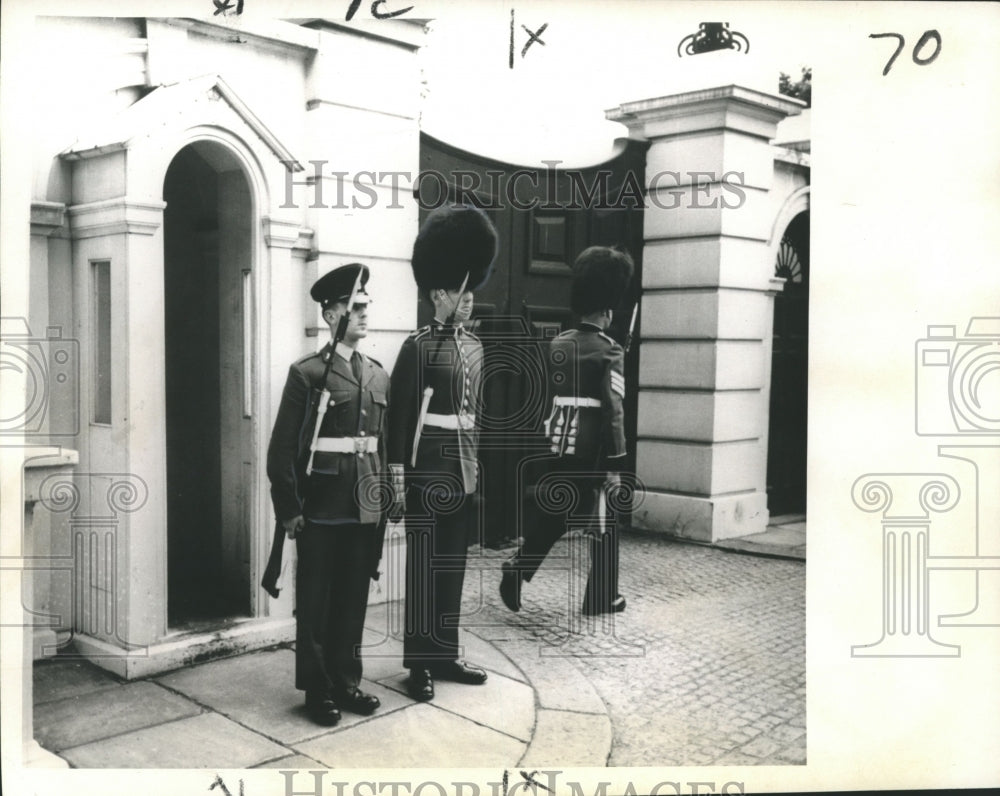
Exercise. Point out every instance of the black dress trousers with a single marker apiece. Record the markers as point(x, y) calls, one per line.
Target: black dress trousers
point(602, 582)
point(545, 523)
point(437, 532)
point(334, 568)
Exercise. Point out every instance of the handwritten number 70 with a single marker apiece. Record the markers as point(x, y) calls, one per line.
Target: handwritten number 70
point(917, 59)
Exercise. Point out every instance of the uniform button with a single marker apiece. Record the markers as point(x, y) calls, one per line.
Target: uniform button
point(364, 411)
point(362, 433)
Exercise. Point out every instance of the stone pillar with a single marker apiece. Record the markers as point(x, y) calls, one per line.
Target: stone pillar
point(286, 297)
point(127, 234)
point(707, 308)
point(40, 464)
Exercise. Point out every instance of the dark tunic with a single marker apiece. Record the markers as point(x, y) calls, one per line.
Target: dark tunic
point(341, 501)
point(586, 433)
point(445, 364)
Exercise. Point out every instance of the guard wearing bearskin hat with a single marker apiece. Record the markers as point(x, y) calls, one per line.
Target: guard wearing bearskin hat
point(586, 433)
point(433, 441)
point(325, 461)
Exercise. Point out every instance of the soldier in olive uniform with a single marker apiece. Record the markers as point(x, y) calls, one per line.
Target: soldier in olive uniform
point(433, 441)
point(586, 432)
point(325, 462)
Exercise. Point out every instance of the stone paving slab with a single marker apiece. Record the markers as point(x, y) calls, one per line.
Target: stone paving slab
point(376, 617)
point(258, 691)
point(706, 666)
point(205, 741)
point(78, 720)
point(381, 656)
point(558, 684)
point(500, 703)
point(490, 657)
point(419, 736)
point(565, 739)
point(383, 639)
point(293, 762)
point(781, 540)
point(59, 679)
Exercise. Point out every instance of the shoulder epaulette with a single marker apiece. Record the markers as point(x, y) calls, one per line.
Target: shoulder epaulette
point(610, 339)
point(471, 334)
point(314, 355)
point(373, 361)
point(414, 335)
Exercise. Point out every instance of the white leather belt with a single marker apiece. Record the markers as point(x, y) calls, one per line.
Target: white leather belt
point(563, 400)
point(346, 445)
point(452, 422)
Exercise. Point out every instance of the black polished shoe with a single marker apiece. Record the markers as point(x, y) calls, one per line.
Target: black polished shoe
point(459, 672)
point(510, 586)
point(357, 701)
point(421, 685)
point(322, 709)
point(616, 607)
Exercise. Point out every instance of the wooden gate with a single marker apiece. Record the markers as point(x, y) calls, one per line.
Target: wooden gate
point(545, 218)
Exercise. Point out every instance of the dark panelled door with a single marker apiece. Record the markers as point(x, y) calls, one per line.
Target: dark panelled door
point(786, 448)
point(545, 218)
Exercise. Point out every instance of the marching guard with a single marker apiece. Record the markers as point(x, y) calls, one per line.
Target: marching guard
point(325, 461)
point(433, 441)
point(586, 434)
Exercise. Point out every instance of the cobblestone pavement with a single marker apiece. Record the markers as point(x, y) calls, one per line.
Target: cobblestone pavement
point(705, 666)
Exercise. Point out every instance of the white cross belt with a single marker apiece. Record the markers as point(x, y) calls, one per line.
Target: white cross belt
point(451, 422)
point(347, 445)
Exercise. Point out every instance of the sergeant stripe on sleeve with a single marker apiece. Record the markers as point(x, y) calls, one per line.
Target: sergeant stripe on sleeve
point(618, 384)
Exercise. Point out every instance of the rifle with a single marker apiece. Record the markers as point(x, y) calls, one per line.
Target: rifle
point(272, 572)
point(631, 327)
point(324, 396)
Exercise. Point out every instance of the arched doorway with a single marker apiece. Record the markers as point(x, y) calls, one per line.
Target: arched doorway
point(208, 324)
point(786, 447)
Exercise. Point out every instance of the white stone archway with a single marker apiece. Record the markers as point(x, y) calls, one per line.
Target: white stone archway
point(795, 203)
point(116, 224)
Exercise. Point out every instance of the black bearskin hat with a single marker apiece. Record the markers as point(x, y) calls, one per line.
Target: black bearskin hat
point(453, 241)
point(601, 276)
